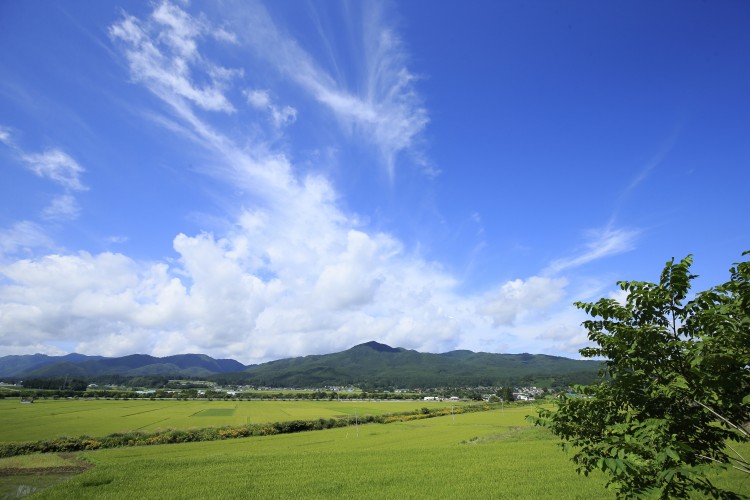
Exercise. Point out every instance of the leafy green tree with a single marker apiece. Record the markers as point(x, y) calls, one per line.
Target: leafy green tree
point(506, 394)
point(675, 391)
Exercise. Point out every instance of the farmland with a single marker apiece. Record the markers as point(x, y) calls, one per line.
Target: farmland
point(46, 419)
point(475, 455)
point(488, 454)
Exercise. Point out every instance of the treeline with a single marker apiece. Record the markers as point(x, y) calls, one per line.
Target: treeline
point(406, 380)
point(80, 383)
point(504, 393)
point(377, 388)
point(212, 395)
point(136, 438)
point(60, 384)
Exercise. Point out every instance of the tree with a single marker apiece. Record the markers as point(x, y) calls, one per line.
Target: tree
point(675, 387)
point(506, 394)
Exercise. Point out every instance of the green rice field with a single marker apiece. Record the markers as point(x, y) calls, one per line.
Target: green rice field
point(480, 455)
point(46, 419)
point(492, 454)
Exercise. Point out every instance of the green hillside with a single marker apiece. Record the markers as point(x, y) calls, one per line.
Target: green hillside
point(368, 365)
point(378, 365)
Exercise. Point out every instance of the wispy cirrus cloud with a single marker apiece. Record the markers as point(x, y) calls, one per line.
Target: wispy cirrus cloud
point(162, 54)
point(57, 166)
point(23, 237)
point(601, 243)
point(291, 273)
point(294, 274)
point(62, 207)
point(380, 104)
point(647, 168)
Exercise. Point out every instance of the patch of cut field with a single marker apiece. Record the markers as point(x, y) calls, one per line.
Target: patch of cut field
point(26, 475)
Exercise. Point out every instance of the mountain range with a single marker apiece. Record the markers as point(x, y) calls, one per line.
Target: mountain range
point(370, 364)
point(82, 366)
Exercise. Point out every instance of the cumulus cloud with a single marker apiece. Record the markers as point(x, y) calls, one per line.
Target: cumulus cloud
point(253, 296)
point(229, 297)
point(620, 296)
point(561, 333)
point(294, 273)
point(516, 299)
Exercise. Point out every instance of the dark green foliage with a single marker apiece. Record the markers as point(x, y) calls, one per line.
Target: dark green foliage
point(376, 365)
point(371, 366)
point(78, 365)
point(55, 384)
point(16, 365)
point(506, 394)
point(677, 385)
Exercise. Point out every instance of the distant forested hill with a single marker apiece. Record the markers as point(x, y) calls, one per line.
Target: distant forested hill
point(378, 365)
point(78, 365)
point(371, 365)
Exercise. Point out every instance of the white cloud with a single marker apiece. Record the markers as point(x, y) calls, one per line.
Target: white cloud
point(23, 237)
point(261, 99)
point(122, 342)
point(294, 273)
point(561, 333)
point(162, 53)
point(224, 36)
point(267, 290)
point(4, 136)
point(181, 29)
point(62, 207)
point(602, 243)
point(213, 298)
point(517, 299)
point(350, 281)
point(57, 166)
point(620, 296)
point(381, 105)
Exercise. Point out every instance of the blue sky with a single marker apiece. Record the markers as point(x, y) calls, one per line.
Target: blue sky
point(263, 180)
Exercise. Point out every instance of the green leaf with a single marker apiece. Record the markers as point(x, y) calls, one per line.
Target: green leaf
point(661, 354)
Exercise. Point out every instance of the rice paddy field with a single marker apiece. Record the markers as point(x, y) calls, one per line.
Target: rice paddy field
point(493, 454)
point(46, 419)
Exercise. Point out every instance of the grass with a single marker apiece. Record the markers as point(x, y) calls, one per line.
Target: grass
point(46, 419)
point(494, 454)
point(215, 412)
point(490, 454)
